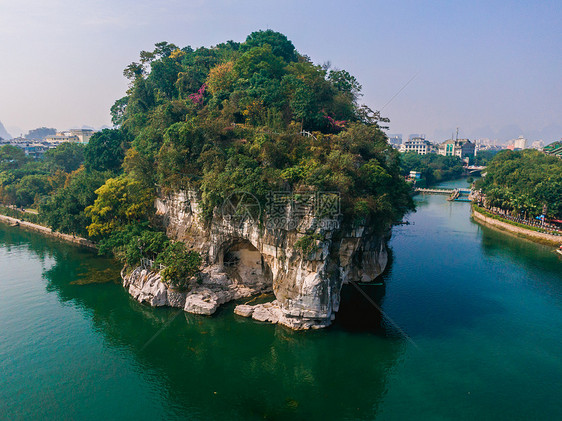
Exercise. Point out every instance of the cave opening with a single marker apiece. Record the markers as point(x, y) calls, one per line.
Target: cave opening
point(245, 264)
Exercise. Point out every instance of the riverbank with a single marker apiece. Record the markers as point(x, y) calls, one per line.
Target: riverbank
point(47, 231)
point(505, 225)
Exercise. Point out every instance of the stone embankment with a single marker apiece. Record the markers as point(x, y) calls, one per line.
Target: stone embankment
point(527, 233)
point(47, 231)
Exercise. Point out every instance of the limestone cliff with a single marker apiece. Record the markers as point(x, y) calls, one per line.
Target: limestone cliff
point(250, 256)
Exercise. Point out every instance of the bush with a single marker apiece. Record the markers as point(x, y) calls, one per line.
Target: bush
point(307, 244)
point(179, 264)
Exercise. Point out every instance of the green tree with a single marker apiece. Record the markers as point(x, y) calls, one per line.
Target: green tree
point(280, 45)
point(30, 189)
point(12, 157)
point(180, 264)
point(67, 157)
point(64, 211)
point(105, 151)
point(524, 182)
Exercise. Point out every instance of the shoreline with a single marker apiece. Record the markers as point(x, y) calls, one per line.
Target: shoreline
point(47, 231)
point(535, 236)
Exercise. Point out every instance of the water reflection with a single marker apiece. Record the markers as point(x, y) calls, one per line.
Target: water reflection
point(540, 262)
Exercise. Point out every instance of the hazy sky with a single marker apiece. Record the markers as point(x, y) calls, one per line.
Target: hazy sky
point(492, 68)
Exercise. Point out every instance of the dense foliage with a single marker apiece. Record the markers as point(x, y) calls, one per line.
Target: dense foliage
point(25, 182)
point(485, 156)
point(255, 116)
point(433, 168)
point(231, 117)
point(524, 182)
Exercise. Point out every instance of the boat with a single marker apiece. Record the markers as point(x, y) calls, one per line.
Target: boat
point(559, 250)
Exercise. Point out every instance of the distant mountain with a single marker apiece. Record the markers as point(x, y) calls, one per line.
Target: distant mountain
point(4, 133)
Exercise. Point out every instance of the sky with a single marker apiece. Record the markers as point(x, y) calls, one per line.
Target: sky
point(491, 68)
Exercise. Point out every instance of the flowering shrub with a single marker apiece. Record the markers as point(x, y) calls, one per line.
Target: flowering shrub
point(197, 97)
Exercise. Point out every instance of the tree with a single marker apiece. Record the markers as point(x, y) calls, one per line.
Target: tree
point(12, 157)
point(105, 151)
point(64, 211)
point(180, 264)
point(260, 60)
point(524, 182)
point(118, 111)
point(120, 201)
point(67, 157)
point(221, 78)
point(280, 45)
point(345, 83)
point(30, 188)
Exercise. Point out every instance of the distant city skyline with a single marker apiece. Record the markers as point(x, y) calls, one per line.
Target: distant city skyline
point(490, 68)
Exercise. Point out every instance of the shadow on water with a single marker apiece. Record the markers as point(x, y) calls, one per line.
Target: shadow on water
point(358, 314)
point(226, 366)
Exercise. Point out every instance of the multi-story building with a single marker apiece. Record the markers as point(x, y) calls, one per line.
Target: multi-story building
point(83, 135)
point(518, 144)
point(418, 145)
point(62, 137)
point(73, 136)
point(462, 148)
point(554, 148)
point(395, 140)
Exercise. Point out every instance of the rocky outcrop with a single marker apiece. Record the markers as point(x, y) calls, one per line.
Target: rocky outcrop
point(203, 295)
point(302, 258)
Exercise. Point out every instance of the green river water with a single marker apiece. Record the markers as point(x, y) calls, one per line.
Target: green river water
point(482, 312)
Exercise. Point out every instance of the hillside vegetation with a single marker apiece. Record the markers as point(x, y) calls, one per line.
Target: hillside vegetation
point(256, 116)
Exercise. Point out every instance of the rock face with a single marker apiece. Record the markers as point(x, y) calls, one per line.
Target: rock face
point(250, 256)
point(202, 296)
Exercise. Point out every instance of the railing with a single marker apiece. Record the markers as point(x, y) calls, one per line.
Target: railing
point(149, 264)
point(437, 191)
point(547, 228)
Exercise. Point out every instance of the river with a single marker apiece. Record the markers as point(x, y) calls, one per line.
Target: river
point(472, 329)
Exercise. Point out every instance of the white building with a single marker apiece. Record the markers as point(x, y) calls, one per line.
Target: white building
point(520, 143)
point(73, 136)
point(460, 147)
point(418, 145)
point(62, 137)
